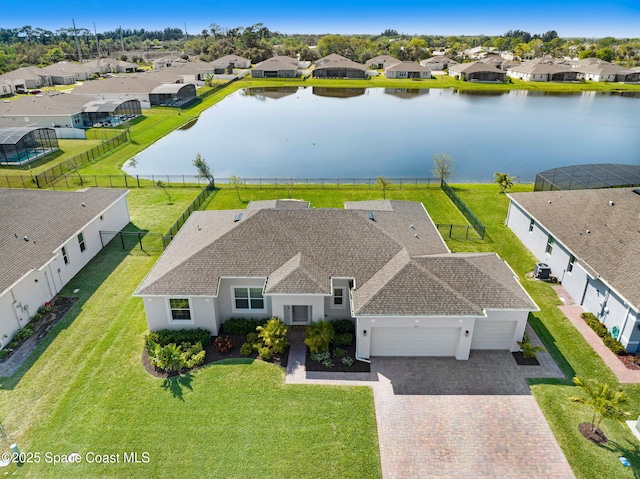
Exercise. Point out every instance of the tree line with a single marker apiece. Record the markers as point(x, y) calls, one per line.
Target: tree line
point(36, 46)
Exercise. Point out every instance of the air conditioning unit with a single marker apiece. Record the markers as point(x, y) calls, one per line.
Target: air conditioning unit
point(542, 271)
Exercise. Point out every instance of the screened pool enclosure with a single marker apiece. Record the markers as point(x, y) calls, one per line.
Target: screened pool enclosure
point(20, 145)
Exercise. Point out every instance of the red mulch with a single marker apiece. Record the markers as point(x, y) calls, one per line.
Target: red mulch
point(629, 360)
point(522, 361)
point(596, 436)
point(338, 365)
point(212, 355)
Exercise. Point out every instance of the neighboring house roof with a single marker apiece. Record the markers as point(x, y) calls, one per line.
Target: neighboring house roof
point(277, 63)
point(605, 238)
point(135, 84)
point(280, 204)
point(44, 105)
point(225, 60)
point(384, 59)
point(604, 68)
point(540, 68)
point(24, 73)
point(392, 250)
point(407, 67)
point(332, 57)
point(65, 68)
point(47, 219)
point(439, 59)
point(474, 67)
point(345, 63)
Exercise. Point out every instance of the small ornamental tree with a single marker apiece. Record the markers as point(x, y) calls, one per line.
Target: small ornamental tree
point(274, 335)
point(236, 182)
point(204, 170)
point(529, 350)
point(443, 166)
point(606, 403)
point(384, 184)
point(504, 181)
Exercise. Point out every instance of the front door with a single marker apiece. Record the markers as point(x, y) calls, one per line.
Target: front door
point(300, 314)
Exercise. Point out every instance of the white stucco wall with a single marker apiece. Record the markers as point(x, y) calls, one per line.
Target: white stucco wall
point(281, 306)
point(203, 313)
point(41, 285)
point(225, 301)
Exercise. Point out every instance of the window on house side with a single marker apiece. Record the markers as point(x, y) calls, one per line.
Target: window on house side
point(81, 242)
point(572, 259)
point(65, 257)
point(338, 298)
point(180, 309)
point(531, 223)
point(550, 242)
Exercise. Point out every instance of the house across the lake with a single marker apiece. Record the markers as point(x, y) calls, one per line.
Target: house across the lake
point(381, 264)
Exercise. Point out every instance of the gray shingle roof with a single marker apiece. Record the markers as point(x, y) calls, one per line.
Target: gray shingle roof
point(279, 204)
point(48, 219)
point(44, 105)
point(298, 251)
point(407, 67)
point(611, 249)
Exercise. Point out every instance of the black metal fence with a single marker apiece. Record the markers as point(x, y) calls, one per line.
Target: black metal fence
point(456, 231)
point(195, 204)
point(270, 183)
point(131, 240)
point(49, 176)
point(464, 209)
point(216, 89)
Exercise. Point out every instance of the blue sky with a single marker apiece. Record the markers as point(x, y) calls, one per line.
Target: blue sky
point(588, 18)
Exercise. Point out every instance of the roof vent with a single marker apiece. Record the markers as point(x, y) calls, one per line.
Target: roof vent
point(83, 205)
point(413, 227)
point(549, 201)
point(26, 238)
point(237, 218)
point(637, 191)
point(588, 231)
point(371, 216)
point(611, 203)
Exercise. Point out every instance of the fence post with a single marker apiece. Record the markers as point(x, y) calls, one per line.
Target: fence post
point(450, 230)
point(66, 180)
point(22, 178)
point(121, 239)
point(37, 182)
point(140, 241)
point(8, 182)
point(126, 183)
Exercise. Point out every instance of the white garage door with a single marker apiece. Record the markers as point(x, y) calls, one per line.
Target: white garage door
point(414, 341)
point(493, 334)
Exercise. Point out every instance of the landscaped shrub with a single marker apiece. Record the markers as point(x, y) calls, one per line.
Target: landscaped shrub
point(319, 357)
point(246, 349)
point(180, 336)
point(174, 357)
point(529, 351)
point(343, 339)
point(5, 352)
point(601, 330)
point(241, 326)
point(24, 333)
point(318, 336)
point(348, 360)
point(338, 353)
point(265, 352)
point(274, 335)
point(223, 345)
point(343, 326)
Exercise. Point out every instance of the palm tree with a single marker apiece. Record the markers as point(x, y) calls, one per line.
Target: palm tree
point(605, 402)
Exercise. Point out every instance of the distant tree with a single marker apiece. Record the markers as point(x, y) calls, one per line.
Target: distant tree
point(204, 171)
point(605, 402)
point(443, 166)
point(504, 181)
point(236, 181)
point(389, 32)
point(605, 54)
point(384, 184)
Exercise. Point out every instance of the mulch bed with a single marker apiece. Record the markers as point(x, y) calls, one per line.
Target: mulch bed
point(338, 365)
point(629, 360)
point(596, 436)
point(212, 355)
point(522, 361)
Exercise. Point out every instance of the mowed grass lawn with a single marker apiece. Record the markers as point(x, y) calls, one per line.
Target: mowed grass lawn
point(85, 391)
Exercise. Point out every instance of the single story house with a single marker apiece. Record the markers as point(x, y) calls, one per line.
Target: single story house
point(167, 62)
point(543, 72)
point(438, 63)
point(47, 238)
point(21, 145)
point(477, 71)
point(28, 78)
point(337, 66)
point(608, 72)
point(67, 73)
point(101, 66)
point(381, 61)
point(498, 61)
point(6, 88)
point(407, 70)
point(276, 67)
point(381, 264)
point(590, 240)
point(226, 64)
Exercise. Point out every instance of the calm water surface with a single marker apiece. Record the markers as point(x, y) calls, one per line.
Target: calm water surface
point(353, 133)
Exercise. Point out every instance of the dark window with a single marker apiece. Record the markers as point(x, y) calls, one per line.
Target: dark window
point(180, 309)
point(81, 242)
point(65, 257)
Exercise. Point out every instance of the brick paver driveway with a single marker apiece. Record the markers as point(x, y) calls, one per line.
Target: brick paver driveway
point(438, 417)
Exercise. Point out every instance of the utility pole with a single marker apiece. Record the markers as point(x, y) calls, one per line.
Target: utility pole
point(185, 31)
point(96, 35)
point(75, 34)
point(121, 41)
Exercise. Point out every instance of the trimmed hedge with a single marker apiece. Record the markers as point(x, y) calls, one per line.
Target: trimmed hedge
point(180, 336)
point(343, 326)
point(242, 326)
point(601, 330)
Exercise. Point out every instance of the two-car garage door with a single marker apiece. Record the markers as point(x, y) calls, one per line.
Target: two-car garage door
point(414, 341)
point(440, 341)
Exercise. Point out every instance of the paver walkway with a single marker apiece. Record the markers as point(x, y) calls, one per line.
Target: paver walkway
point(439, 417)
point(573, 311)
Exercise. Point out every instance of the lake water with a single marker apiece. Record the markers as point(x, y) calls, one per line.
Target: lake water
point(311, 132)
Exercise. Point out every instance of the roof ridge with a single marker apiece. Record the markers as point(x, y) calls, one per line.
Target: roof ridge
point(402, 254)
